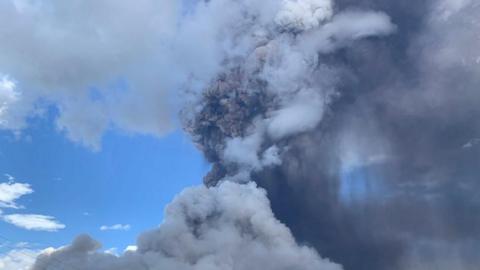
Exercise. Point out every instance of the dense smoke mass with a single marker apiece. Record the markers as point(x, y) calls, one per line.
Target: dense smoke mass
point(388, 178)
point(342, 135)
point(227, 227)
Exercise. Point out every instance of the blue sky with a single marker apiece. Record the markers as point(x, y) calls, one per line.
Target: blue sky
point(129, 181)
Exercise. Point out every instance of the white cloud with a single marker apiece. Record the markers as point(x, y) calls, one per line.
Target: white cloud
point(116, 227)
point(112, 251)
point(10, 192)
point(55, 53)
point(130, 249)
point(9, 177)
point(22, 245)
point(18, 259)
point(9, 96)
point(34, 222)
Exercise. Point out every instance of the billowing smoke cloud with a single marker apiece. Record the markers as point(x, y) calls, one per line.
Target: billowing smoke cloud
point(279, 89)
point(375, 133)
point(226, 227)
point(358, 117)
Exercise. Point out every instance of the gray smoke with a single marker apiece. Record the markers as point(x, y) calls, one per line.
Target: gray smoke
point(279, 89)
point(358, 117)
point(379, 172)
point(227, 227)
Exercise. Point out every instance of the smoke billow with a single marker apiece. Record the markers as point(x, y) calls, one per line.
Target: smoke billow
point(376, 135)
point(226, 227)
point(358, 123)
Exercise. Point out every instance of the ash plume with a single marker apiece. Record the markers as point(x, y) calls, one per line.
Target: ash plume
point(342, 128)
point(387, 160)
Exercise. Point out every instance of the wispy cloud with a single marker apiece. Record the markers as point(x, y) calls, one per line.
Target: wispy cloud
point(112, 251)
point(473, 142)
point(116, 227)
point(130, 248)
point(9, 177)
point(10, 192)
point(34, 222)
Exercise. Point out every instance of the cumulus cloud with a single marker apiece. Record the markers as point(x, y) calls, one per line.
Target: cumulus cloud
point(229, 226)
point(108, 60)
point(34, 222)
point(18, 259)
point(116, 227)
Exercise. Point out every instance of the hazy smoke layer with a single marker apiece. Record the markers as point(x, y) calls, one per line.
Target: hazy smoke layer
point(359, 119)
point(227, 227)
